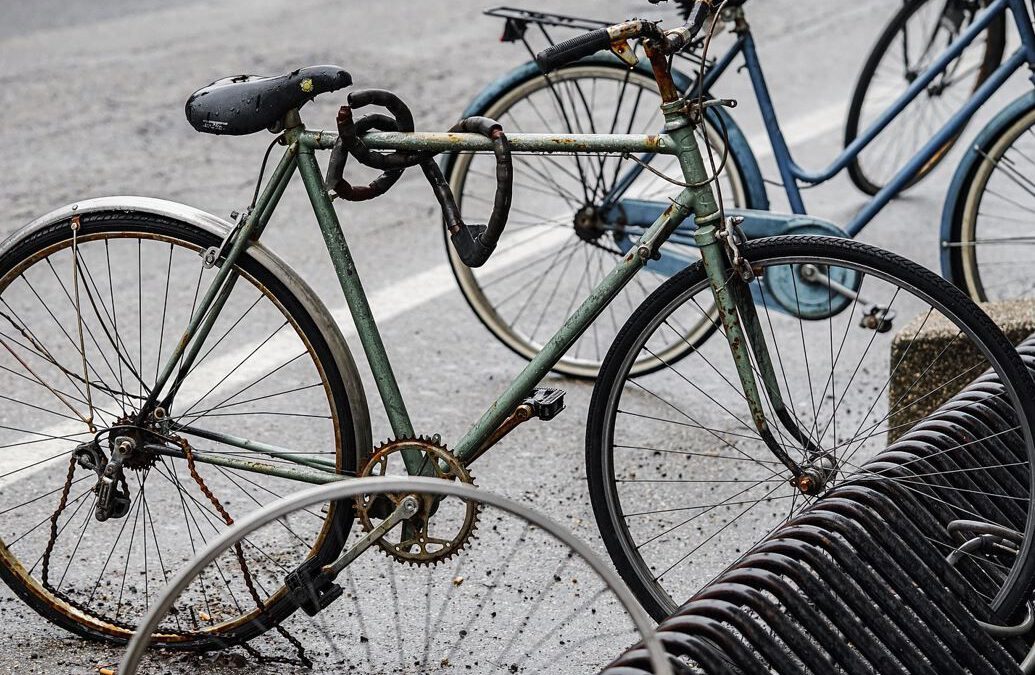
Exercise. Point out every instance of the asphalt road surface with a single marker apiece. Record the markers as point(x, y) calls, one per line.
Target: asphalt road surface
point(93, 97)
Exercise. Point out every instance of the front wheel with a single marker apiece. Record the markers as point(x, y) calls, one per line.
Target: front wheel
point(682, 485)
point(91, 307)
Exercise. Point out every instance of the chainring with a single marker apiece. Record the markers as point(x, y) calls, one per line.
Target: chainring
point(413, 542)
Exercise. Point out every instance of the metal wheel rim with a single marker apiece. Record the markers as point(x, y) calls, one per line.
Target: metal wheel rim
point(353, 488)
point(13, 563)
point(657, 592)
point(975, 195)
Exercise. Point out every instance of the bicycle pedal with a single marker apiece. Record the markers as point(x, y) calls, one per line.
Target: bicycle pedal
point(310, 588)
point(546, 403)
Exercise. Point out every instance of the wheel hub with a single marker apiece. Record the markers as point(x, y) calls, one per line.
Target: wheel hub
point(816, 476)
point(127, 450)
point(589, 225)
point(130, 444)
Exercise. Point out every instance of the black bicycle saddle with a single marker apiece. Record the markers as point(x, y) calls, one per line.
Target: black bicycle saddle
point(245, 104)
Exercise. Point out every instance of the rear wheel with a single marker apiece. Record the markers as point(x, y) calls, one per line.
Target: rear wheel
point(919, 32)
point(993, 232)
point(90, 308)
point(559, 243)
point(681, 483)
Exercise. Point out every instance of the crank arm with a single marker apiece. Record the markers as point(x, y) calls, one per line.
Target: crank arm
point(812, 274)
point(406, 509)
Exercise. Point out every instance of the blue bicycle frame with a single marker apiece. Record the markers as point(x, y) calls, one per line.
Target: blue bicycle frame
point(629, 215)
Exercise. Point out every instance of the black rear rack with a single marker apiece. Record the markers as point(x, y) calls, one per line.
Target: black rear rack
point(517, 20)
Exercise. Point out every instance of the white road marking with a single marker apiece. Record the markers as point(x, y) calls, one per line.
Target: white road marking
point(802, 129)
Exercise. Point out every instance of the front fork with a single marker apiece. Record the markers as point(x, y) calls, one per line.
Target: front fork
point(747, 343)
point(732, 295)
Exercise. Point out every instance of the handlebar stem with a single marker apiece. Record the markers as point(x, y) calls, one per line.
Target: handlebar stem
point(659, 63)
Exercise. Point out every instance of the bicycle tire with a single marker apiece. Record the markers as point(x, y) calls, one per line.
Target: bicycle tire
point(122, 225)
point(995, 45)
point(987, 231)
point(474, 284)
point(616, 508)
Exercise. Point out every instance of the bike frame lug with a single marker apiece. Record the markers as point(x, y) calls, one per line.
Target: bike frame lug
point(213, 255)
point(161, 419)
point(645, 253)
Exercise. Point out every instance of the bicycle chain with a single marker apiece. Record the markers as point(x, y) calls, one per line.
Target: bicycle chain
point(62, 503)
point(45, 563)
point(239, 554)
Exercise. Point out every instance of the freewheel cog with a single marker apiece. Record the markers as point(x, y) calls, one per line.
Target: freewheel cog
point(441, 528)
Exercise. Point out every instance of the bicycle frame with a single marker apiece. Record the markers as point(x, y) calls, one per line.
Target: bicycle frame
point(697, 200)
point(792, 173)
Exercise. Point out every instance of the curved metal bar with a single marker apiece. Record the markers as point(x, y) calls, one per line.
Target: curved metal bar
point(325, 493)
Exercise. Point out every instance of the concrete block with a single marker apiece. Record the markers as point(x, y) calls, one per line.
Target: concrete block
point(931, 364)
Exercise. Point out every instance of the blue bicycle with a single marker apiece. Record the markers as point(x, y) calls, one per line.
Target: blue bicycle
point(940, 61)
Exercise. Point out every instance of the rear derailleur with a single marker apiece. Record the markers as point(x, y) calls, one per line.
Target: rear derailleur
point(112, 490)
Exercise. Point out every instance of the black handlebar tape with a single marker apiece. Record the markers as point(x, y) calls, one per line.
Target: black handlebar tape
point(574, 49)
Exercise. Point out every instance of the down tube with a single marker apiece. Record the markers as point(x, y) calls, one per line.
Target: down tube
point(574, 327)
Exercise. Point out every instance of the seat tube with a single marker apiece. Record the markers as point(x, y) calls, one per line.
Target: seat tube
point(359, 307)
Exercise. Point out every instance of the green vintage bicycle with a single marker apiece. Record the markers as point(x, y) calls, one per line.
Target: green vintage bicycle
point(164, 372)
